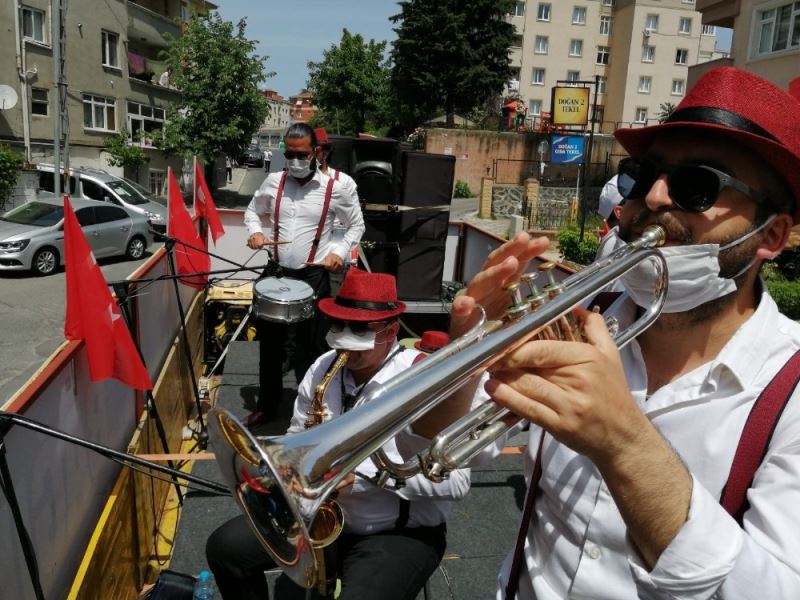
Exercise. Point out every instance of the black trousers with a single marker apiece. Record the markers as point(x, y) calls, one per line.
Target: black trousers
point(391, 565)
point(309, 339)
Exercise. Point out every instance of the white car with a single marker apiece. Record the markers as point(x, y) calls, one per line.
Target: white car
point(32, 235)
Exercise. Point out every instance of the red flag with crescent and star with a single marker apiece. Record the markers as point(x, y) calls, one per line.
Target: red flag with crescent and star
point(189, 255)
point(93, 316)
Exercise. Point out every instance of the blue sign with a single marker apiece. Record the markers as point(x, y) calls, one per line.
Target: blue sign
point(566, 149)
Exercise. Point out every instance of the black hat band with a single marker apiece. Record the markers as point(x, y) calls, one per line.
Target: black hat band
point(719, 116)
point(347, 303)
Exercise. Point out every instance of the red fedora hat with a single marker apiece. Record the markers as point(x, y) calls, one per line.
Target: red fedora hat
point(752, 111)
point(364, 296)
point(322, 137)
point(431, 341)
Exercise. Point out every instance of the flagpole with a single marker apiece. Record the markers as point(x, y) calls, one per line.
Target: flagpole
point(194, 185)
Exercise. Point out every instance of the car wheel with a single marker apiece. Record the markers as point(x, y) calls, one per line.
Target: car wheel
point(135, 249)
point(45, 261)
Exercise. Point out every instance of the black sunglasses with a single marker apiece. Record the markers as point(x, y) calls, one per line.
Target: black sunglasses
point(692, 187)
point(359, 328)
point(292, 155)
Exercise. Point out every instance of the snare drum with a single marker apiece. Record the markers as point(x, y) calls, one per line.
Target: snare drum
point(282, 300)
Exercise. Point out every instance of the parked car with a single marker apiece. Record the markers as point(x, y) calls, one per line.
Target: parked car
point(252, 156)
point(32, 235)
point(96, 184)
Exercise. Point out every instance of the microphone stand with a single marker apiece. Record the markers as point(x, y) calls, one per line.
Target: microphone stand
point(8, 419)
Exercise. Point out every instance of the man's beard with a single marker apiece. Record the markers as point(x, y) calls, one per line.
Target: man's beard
point(733, 263)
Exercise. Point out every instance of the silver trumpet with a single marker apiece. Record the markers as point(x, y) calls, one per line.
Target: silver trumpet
point(280, 483)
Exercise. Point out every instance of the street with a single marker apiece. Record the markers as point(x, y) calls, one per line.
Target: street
point(32, 319)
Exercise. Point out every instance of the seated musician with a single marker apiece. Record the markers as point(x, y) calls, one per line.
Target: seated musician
point(392, 540)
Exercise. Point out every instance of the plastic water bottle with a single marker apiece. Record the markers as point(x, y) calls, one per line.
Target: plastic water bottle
point(203, 587)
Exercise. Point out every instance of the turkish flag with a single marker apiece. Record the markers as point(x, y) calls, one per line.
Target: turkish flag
point(204, 205)
point(189, 258)
point(93, 316)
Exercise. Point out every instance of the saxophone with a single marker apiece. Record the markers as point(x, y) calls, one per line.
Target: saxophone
point(327, 525)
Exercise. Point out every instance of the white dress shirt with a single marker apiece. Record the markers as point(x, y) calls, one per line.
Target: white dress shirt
point(301, 206)
point(577, 546)
point(368, 508)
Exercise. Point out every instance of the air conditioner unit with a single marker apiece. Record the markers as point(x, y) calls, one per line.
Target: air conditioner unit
point(646, 33)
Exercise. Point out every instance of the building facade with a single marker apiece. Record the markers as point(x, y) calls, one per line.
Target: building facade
point(276, 122)
point(113, 78)
point(766, 37)
point(641, 51)
point(302, 107)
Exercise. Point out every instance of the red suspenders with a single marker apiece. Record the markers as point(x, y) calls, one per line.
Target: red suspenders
point(276, 217)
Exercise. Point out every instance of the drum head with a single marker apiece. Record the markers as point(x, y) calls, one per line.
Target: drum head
point(283, 289)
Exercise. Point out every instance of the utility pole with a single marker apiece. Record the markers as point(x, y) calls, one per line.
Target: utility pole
point(57, 34)
point(588, 160)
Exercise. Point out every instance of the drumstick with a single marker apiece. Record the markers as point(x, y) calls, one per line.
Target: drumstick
point(275, 242)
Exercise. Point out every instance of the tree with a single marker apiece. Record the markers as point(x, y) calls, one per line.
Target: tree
point(451, 54)
point(220, 107)
point(123, 153)
point(664, 111)
point(350, 84)
point(11, 164)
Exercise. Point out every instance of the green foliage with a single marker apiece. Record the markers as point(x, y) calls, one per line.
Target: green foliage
point(11, 164)
point(664, 111)
point(571, 248)
point(787, 297)
point(350, 85)
point(462, 190)
point(450, 54)
point(220, 107)
point(788, 263)
point(123, 153)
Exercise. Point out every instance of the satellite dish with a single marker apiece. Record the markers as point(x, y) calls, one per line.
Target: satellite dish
point(8, 97)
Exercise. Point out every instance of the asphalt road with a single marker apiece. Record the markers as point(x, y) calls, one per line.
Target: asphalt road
point(32, 319)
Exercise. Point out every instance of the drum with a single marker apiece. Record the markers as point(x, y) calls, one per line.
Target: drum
point(282, 300)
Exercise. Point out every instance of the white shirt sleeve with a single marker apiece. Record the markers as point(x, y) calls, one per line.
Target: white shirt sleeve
point(258, 207)
point(348, 210)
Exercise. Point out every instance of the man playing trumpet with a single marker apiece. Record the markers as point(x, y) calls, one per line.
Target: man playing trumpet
point(633, 453)
point(392, 540)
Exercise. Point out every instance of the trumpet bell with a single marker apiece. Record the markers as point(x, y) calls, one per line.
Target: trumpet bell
point(261, 489)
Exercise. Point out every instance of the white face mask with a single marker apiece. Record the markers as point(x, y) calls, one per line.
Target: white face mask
point(693, 273)
point(345, 339)
point(299, 168)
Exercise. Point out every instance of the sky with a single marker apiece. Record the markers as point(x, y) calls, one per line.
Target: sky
point(293, 33)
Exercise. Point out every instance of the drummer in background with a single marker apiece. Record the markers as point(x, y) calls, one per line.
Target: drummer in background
point(300, 206)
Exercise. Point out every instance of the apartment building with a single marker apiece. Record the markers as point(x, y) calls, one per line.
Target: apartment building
point(113, 76)
point(766, 37)
point(277, 121)
point(640, 49)
point(302, 107)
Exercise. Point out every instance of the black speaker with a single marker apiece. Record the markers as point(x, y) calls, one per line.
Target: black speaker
point(426, 185)
point(342, 148)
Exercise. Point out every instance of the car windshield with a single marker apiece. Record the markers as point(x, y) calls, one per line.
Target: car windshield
point(127, 192)
point(38, 214)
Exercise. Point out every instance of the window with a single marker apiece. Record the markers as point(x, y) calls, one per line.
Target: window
point(605, 25)
point(109, 51)
point(601, 85)
point(641, 115)
point(538, 76)
point(678, 86)
point(516, 42)
point(534, 107)
point(573, 76)
point(651, 23)
point(579, 15)
point(645, 81)
point(39, 102)
point(107, 214)
point(685, 25)
point(144, 122)
point(33, 25)
point(778, 28)
point(609, 2)
point(648, 54)
point(156, 181)
point(576, 48)
point(709, 30)
point(519, 9)
point(85, 216)
point(543, 12)
point(598, 114)
point(681, 56)
point(99, 113)
point(602, 55)
point(541, 44)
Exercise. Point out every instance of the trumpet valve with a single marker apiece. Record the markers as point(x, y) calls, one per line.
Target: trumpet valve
point(519, 306)
point(553, 287)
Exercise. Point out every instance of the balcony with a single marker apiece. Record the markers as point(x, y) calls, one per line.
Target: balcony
point(721, 13)
point(148, 27)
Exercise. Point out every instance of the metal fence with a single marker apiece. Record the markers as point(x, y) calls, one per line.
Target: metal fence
point(515, 171)
point(551, 214)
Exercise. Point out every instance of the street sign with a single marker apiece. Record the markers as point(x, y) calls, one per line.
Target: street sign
point(567, 149)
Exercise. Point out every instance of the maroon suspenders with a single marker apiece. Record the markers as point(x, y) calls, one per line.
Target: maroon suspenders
point(320, 226)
